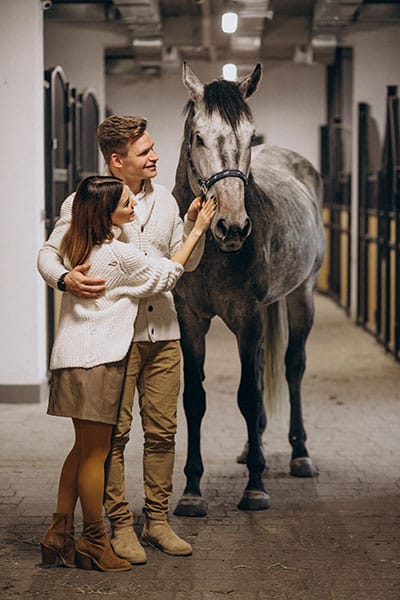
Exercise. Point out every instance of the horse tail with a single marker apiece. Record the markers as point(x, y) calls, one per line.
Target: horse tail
point(276, 331)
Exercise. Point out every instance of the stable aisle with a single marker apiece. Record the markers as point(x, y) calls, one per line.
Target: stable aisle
point(335, 537)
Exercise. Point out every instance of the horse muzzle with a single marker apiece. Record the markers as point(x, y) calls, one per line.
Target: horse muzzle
point(231, 236)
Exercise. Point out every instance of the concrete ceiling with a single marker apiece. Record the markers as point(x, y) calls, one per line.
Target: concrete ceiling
point(160, 34)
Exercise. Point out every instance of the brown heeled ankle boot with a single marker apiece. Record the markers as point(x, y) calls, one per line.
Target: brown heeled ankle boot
point(58, 544)
point(93, 549)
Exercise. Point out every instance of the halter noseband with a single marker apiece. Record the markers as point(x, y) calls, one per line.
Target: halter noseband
point(205, 184)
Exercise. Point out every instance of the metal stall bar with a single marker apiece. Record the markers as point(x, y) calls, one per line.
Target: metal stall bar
point(89, 121)
point(362, 271)
point(395, 130)
point(76, 129)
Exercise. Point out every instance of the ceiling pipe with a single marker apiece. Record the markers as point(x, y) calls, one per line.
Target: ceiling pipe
point(331, 15)
point(248, 40)
point(206, 35)
point(142, 17)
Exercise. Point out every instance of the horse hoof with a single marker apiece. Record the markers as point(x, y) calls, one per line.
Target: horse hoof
point(191, 506)
point(254, 500)
point(303, 467)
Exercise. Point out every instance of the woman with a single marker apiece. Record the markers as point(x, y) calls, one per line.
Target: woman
point(88, 358)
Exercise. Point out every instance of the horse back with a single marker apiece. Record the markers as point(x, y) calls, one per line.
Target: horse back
point(270, 165)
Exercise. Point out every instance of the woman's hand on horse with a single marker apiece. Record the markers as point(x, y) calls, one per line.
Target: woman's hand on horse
point(206, 214)
point(194, 209)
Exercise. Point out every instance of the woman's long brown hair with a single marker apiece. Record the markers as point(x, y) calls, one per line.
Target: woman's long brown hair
point(95, 200)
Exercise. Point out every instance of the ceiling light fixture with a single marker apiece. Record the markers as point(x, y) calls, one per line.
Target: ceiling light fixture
point(229, 72)
point(229, 22)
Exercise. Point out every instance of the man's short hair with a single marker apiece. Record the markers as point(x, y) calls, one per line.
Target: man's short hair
point(116, 132)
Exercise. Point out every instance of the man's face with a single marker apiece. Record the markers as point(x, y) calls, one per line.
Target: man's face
point(141, 160)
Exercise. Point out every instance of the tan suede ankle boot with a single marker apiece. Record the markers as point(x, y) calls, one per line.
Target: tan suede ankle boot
point(58, 544)
point(94, 550)
point(159, 534)
point(125, 543)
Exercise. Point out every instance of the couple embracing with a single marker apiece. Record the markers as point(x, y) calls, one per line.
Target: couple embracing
point(115, 253)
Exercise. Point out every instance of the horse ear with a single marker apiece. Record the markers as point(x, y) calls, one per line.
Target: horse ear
point(249, 83)
point(192, 83)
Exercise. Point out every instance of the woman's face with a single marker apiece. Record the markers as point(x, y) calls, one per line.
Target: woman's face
point(124, 211)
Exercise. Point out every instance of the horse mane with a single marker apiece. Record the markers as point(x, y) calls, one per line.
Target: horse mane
point(225, 98)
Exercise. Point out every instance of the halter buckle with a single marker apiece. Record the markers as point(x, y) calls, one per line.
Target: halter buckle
point(203, 189)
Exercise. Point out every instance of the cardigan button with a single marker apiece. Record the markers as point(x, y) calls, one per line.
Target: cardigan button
point(150, 308)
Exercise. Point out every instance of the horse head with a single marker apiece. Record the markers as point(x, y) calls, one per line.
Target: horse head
point(219, 131)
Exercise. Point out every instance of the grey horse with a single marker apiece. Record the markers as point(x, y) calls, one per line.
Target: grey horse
point(258, 272)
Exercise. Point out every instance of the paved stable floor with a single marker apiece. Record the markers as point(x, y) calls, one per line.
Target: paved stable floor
point(335, 537)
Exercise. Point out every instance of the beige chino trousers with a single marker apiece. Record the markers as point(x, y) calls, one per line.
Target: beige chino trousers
point(154, 369)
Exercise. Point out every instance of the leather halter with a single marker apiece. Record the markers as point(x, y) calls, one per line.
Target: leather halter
point(205, 184)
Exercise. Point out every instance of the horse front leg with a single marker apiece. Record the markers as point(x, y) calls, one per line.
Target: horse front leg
point(262, 425)
point(300, 304)
point(250, 401)
point(194, 330)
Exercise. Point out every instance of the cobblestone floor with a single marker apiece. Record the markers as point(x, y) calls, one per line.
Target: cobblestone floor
point(335, 537)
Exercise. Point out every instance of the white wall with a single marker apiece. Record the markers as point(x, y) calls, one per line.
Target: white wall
point(79, 50)
point(22, 314)
point(376, 65)
point(288, 108)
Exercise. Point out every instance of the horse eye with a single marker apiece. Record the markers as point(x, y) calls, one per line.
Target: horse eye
point(199, 139)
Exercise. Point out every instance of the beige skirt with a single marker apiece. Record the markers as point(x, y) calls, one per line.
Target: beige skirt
point(88, 394)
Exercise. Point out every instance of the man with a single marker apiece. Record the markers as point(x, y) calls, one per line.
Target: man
point(154, 360)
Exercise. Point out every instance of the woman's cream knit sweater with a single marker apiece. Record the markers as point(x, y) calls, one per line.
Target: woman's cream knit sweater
point(93, 332)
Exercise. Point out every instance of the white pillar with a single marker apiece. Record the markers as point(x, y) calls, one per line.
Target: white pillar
point(23, 302)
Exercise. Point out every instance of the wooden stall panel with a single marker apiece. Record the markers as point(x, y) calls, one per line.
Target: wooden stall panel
point(393, 270)
point(323, 277)
point(344, 257)
point(372, 266)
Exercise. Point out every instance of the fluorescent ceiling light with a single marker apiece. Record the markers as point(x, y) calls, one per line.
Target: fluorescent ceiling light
point(229, 72)
point(229, 22)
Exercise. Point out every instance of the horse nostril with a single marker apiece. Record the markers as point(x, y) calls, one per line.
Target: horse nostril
point(222, 228)
point(247, 228)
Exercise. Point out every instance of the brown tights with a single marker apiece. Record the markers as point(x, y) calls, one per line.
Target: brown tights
point(82, 475)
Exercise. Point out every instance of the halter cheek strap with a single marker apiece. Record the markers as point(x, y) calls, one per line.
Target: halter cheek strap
point(205, 184)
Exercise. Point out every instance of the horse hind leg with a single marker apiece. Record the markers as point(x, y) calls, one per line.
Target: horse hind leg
point(300, 304)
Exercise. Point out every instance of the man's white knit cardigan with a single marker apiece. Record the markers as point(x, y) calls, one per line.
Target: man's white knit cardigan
point(160, 235)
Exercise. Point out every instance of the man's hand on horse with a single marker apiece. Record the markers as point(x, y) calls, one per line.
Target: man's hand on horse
point(82, 286)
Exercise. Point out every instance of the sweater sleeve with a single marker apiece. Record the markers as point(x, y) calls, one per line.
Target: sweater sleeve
point(142, 276)
point(177, 229)
point(198, 250)
point(50, 262)
point(179, 234)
